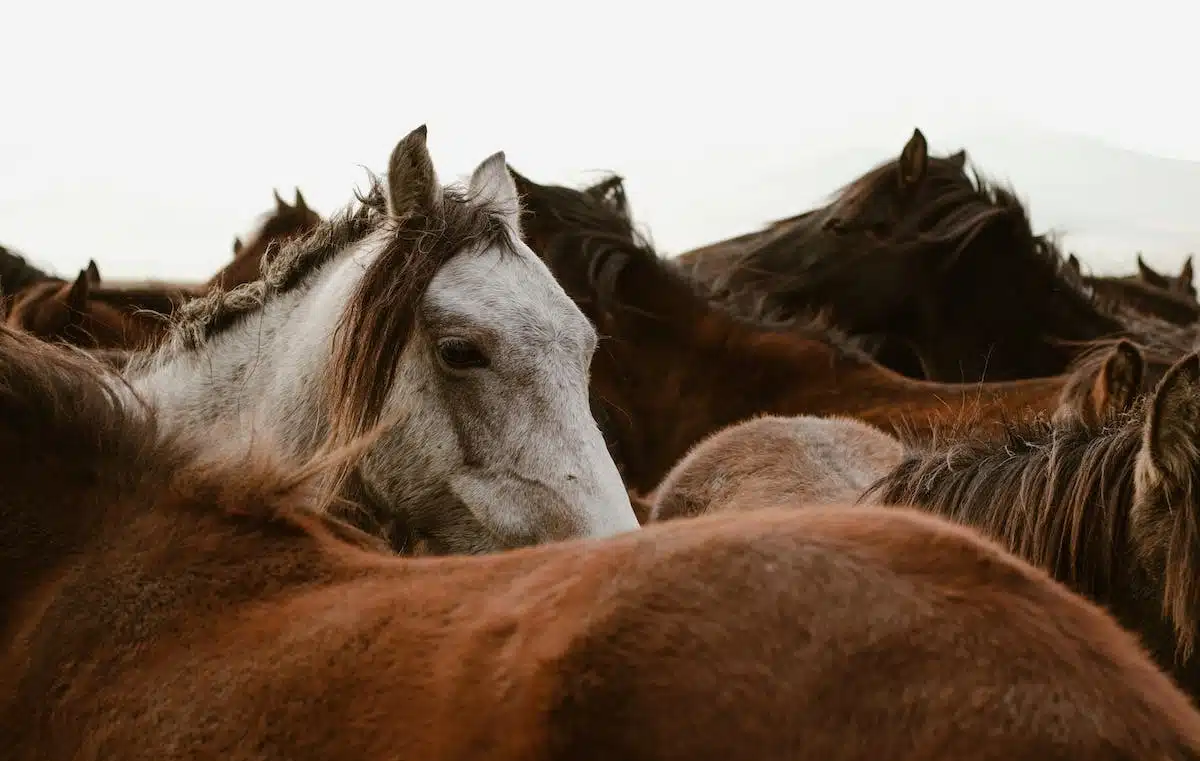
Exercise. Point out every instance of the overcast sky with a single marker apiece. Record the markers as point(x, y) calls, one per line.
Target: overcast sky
point(147, 134)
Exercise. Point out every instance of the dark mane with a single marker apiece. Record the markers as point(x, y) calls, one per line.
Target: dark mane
point(612, 272)
point(1056, 494)
point(163, 299)
point(16, 273)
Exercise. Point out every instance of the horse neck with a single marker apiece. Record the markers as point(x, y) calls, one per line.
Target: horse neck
point(257, 377)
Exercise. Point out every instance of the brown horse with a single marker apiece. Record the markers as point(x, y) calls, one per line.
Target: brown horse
point(87, 314)
point(779, 461)
point(161, 598)
point(1148, 292)
point(673, 367)
point(16, 273)
point(280, 225)
point(870, 204)
point(1105, 382)
point(1111, 512)
point(961, 280)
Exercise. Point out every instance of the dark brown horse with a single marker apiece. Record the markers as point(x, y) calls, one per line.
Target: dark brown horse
point(1148, 292)
point(1114, 513)
point(163, 599)
point(16, 273)
point(870, 204)
point(89, 315)
point(672, 367)
point(280, 225)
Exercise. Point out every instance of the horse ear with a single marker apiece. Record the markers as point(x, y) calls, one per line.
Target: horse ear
point(412, 184)
point(1185, 275)
point(1119, 380)
point(280, 204)
point(1148, 275)
point(958, 159)
point(914, 160)
point(1172, 430)
point(77, 296)
point(1073, 262)
point(492, 184)
point(237, 246)
point(93, 272)
point(299, 203)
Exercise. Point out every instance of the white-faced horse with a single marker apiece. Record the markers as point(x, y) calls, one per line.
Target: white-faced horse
point(421, 305)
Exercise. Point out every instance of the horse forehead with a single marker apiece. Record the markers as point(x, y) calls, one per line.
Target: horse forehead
point(509, 286)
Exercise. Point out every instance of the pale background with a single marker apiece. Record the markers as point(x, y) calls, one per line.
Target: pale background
point(147, 134)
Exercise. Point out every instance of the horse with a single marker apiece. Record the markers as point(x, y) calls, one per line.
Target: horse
point(772, 460)
point(16, 273)
point(423, 299)
point(1110, 512)
point(165, 597)
point(673, 367)
point(870, 204)
point(281, 224)
point(1170, 299)
point(960, 280)
point(87, 314)
point(1105, 382)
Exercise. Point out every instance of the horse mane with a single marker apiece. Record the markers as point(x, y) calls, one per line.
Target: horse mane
point(611, 268)
point(61, 400)
point(16, 273)
point(1055, 493)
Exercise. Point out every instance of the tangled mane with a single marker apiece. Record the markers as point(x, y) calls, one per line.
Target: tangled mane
point(612, 271)
point(1055, 493)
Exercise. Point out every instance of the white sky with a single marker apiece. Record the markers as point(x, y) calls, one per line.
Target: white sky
point(147, 134)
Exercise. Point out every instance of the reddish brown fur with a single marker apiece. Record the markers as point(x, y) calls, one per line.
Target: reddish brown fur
point(160, 604)
point(91, 316)
point(283, 223)
point(673, 368)
point(1105, 384)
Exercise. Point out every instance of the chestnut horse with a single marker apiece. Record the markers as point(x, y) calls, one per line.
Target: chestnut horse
point(1114, 513)
point(87, 314)
point(419, 298)
point(673, 368)
point(280, 225)
point(162, 597)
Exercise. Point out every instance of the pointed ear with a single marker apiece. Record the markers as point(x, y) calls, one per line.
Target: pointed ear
point(299, 203)
point(1185, 274)
point(1073, 263)
point(492, 184)
point(77, 296)
point(1119, 381)
point(914, 161)
point(93, 272)
point(412, 184)
point(237, 246)
point(1172, 433)
point(1148, 275)
point(958, 159)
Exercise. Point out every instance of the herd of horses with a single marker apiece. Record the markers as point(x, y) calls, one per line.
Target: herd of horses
point(471, 471)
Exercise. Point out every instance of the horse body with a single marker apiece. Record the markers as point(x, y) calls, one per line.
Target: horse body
point(420, 307)
point(160, 598)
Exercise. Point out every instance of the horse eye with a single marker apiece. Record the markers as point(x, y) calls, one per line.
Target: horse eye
point(459, 354)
